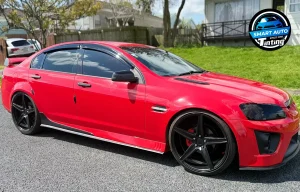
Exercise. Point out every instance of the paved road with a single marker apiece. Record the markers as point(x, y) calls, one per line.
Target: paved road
point(56, 161)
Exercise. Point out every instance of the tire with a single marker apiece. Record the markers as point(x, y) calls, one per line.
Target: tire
point(202, 142)
point(25, 114)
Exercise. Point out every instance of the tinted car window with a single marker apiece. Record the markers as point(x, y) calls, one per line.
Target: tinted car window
point(37, 62)
point(20, 43)
point(62, 61)
point(161, 62)
point(99, 64)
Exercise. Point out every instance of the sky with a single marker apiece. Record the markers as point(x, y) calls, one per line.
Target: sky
point(193, 9)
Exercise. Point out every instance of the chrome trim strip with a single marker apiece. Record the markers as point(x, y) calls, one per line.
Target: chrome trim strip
point(98, 138)
point(159, 109)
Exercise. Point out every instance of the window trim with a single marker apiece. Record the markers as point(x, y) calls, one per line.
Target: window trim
point(35, 58)
point(113, 53)
point(74, 68)
point(298, 3)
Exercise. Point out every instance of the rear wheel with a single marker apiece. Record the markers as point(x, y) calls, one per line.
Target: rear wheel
point(25, 114)
point(201, 142)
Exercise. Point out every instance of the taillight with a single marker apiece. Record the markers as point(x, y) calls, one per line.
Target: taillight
point(31, 47)
point(14, 49)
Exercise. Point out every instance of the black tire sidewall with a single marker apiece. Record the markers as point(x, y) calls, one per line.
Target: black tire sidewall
point(231, 152)
point(37, 124)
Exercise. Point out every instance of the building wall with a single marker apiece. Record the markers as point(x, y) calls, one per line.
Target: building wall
point(264, 4)
point(210, 8)
point(294, 19)
point(148, 21)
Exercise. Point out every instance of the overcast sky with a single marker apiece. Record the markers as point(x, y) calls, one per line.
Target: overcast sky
point(192, 9)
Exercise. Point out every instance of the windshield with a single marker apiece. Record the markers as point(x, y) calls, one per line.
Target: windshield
point(162, 62)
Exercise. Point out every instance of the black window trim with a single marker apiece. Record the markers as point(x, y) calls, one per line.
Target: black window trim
point(70, 46)
point(113, 53)
point(35, 58)
point(94, 47)
point(75, 67)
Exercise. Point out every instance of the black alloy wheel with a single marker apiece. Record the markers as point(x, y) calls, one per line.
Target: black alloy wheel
point(201, 142)
point(25, 114)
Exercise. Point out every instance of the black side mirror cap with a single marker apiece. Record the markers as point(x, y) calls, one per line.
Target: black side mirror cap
point(124, 76)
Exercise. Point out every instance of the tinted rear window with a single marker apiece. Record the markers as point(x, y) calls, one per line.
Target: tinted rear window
point(20, 43)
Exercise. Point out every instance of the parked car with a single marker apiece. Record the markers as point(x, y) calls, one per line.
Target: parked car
point(35, 43)
point(19, 47)
point(269, 23)
point(147, 98)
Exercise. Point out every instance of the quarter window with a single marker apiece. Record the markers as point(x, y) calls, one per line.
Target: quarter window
point(63, 61)
point(100, 64)
point(37, 62)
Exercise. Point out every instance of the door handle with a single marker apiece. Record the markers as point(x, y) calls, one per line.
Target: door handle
point(84, 84)
point(36, 76)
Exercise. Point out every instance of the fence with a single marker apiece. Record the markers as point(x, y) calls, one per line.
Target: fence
point(229, 29)
point(125, 34)
point(141, 35)
point(2, 51)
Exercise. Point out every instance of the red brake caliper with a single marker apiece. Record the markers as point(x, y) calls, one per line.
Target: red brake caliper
point(188, 142)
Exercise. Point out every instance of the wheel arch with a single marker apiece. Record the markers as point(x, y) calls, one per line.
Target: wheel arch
point(178, 113)
point(23, 87)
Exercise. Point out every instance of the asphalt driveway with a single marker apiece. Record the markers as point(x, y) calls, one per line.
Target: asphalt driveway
point(57, 161)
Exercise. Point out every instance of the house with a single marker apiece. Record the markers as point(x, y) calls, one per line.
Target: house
point(105, 18)
point(227, 21)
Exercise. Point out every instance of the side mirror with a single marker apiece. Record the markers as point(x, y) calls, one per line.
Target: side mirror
point(124, 76)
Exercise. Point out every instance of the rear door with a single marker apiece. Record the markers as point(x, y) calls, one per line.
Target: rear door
point(52, 78)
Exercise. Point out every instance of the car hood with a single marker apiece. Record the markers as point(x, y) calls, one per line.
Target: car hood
point(252, 91)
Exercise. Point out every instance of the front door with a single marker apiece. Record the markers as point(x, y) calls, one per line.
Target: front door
point(103, 104)
point(51, 77)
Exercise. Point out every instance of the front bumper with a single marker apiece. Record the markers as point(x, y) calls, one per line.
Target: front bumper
point(291, 152)
point(249, 151)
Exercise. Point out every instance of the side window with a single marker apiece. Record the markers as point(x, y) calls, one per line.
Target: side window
point(63, 60)
point(38, 61)
point(100, 64)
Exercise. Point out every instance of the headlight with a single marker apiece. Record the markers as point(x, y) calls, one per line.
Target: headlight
point(262, 112)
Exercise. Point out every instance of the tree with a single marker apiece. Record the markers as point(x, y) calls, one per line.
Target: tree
point(38, 17)
point(123, 12)
point(145, 5)
point(170, 32)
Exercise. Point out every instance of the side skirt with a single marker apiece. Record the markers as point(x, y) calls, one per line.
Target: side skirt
point(52, 125)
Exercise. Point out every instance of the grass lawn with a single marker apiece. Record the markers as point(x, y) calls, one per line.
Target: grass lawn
point(280, 68)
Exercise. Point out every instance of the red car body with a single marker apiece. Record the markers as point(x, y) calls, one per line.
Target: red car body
point(137, 124)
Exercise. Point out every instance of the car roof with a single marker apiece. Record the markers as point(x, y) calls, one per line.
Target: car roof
point(14, 39)
point(105, 43)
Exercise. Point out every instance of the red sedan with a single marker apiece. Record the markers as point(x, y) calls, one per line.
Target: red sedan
point(151, 99)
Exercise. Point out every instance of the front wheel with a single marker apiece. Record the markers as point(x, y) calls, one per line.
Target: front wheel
point(201, 142)
point(25, 114)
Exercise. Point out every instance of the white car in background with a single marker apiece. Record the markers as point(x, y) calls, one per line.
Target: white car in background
point(35, 43)
point(19, 47)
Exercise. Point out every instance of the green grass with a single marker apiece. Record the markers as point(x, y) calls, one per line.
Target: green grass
point(280, 68)
point(297, 100)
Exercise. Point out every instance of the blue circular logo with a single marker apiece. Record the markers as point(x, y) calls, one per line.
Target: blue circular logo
point(270, 29)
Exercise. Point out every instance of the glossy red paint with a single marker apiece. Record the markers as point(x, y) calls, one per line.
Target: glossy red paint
point(122, 112)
